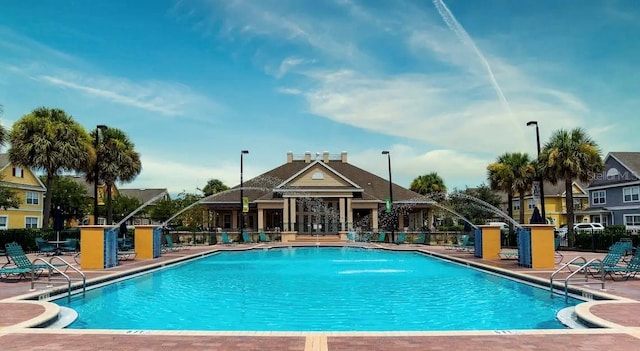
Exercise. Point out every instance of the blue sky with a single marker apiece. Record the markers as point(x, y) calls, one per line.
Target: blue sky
point(446, 86)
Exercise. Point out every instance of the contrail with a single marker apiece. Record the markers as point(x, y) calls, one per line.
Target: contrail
point(462, 34)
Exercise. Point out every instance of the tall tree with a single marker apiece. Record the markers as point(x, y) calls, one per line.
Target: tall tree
point(118, 162)
point(3, 132)
point(214, 186)
point(48, 139)
point(123, 205)
point(567, 156)
point(476, 213)
point(501, 178)
point(71, 197)
point(430, 185)
point(524, 172)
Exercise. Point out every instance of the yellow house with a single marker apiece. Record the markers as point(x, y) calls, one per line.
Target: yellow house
point(102, 199)
point(554, 203)
point(30, 191)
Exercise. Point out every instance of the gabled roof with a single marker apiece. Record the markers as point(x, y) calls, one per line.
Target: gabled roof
point(143, 195)
point(372, 187)
point(5, 162)
point(630, 160)
point(312, 165)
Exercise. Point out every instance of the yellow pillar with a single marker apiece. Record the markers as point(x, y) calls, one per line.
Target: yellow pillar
point(98, 249)
point(490, 241)
point(542, 245)
point(144, 241)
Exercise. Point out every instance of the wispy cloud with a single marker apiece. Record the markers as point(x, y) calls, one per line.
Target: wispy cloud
point(169, 99)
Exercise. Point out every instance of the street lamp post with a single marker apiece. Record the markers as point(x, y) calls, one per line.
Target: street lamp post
point(96, 171)
point(393, 216)
point(242, 191)
point(542, 210)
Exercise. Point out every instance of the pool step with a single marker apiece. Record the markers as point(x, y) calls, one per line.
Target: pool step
point(569, 318)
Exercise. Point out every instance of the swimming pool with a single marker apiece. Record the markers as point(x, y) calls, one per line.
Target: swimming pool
point(317, 289)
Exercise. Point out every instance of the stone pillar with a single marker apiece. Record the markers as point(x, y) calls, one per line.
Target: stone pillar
point(343, 225)
point(285, 215)
point(260, 219)
point(293, 214)
point(374, 218)
point(234, 219)
point(349, 213)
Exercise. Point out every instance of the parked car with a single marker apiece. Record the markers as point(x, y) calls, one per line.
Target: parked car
point(561, 231)
point(588, 227)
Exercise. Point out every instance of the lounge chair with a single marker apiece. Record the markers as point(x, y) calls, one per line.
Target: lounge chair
point(246, 238)
point(225, 239)
point(44, 248)
point(20, 259)
point(382, 237)
point(420, 239)
point(610, 260)
point(126, 255)
point(11, 271)
point(464, 242)
point(400, 238)
point(508, 254)
point(170, 245)
point(262, 237)
point(624, 272)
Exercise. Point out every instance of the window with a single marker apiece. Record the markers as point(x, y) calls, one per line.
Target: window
point(632, 220)
point(599, 197)
point(102, 221)
point(4, 222)
point(317, 176)
point(532, 204)
point(31, 222)
point(32, 198)
point(17, 172)
point(631, 194)
point(516, 205)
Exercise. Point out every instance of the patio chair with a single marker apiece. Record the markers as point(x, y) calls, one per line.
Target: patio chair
point(44, 248)
point(70, 245)
point(610, 260)
point(170, 245)
point(11, 271)
point(464, 242)
point(382, 237)
point(246, 238)
point(262, 237)
point(126, 255)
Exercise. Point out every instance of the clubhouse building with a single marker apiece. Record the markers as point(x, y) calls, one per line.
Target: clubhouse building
point(321, 195)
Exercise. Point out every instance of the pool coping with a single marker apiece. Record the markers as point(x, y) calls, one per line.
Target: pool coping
point(583, 310)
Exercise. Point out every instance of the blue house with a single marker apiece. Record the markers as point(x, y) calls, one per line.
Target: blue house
point(614, 194)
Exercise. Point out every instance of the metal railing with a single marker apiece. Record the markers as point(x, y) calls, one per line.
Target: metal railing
point(51, 267)
point(582, 267)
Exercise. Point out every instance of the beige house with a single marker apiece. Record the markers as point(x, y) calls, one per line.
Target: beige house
point(324, 195)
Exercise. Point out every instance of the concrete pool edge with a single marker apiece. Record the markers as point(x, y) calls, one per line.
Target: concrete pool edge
point(584, 312)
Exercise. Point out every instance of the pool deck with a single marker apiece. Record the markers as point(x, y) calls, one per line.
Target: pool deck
point(621, 316)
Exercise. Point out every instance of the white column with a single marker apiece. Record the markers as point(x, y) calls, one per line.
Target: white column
point(349, 213)
point(374, 219)
point(260, 219)
point(293, 214)
point(343, 225)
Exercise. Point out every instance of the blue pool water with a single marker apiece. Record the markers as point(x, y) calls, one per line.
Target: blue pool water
point(313, 289)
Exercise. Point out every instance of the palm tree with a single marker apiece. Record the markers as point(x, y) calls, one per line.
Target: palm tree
point(119, 162)
point(524, 172)
point(214, 186)
point(3, 132)
point(430, 185)
point(567, 156)
point(50, 140)
point(512, 173)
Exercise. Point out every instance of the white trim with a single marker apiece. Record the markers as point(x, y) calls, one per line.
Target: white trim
point(618, 208)
point(592, 197)
point(618, 185)
point(37, 221)
point(39, 210)
point(6, 226)
point(637, 188)
point(312, 164)
point(316, 190)
point(23, 187)
point(321, 195)
point(624, 219)
point(37, 197)
point(579, 187)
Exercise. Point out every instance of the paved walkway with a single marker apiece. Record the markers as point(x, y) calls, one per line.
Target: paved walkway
point(621, 316)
